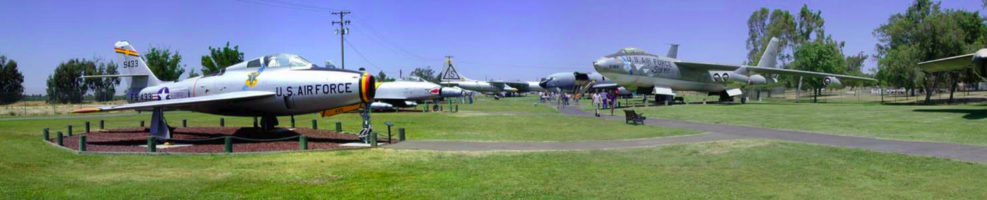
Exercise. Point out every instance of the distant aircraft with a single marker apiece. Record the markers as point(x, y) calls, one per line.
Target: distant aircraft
point(449, 76)
point(407, 93)
point(268, 86)
point(646, 73)
point(573, 81)
point(976, 61)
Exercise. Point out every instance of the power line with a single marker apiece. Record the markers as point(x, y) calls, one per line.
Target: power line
point(379, 37)
point(361, 54)
point(288, 5)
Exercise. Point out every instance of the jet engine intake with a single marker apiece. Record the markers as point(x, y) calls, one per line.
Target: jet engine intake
point(830, 81)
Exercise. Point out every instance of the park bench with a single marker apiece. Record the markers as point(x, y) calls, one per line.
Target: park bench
point(632, 117)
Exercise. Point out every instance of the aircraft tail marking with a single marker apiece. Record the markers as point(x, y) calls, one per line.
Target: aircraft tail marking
point(134, 67)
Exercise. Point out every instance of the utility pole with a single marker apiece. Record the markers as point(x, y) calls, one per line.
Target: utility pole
point(342, 31)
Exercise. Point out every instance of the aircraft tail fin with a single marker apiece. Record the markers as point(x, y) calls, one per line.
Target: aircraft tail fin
point(770, 56)
point(450, 73)
point(133, 67)
point(673, 51)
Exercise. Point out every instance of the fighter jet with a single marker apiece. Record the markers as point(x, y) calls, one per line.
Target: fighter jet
point(574, 81)
point(407, 93)
point(646, 73)
point(267, 86)
point(976, 61)
point(450, 77)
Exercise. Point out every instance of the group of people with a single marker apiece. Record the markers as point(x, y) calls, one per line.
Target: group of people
point(601, 100)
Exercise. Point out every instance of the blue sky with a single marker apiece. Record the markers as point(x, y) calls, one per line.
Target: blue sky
point(504, 40)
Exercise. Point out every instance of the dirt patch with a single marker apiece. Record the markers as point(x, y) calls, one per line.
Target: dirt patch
point(212, 140)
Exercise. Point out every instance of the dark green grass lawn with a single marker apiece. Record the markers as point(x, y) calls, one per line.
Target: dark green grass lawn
point(940, 123)
point(728, 169)
point(30, 169)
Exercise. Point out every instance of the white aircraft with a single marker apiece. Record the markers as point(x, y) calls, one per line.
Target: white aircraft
point(267, 86)
point(449, 76)
point(407, 93)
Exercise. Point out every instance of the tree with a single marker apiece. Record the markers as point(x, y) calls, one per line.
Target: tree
point(11, 81)
point(103, 88)
point(819, 56)
point(382, 77)
point(221, 58)
point(425, 73)
point(192, 73)
point(66, 85)
point(166, 65)
point(924, 32)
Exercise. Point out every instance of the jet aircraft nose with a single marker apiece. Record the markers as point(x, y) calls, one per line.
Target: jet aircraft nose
point(608, 64)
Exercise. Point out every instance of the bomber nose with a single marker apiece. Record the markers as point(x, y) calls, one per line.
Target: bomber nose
point(606, 63)
point(544, 82)
point(368, 88)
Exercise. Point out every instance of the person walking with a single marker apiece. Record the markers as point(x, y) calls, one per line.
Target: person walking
point(597, 102)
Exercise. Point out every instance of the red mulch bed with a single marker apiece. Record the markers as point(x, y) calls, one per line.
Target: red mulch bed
point(211, 140)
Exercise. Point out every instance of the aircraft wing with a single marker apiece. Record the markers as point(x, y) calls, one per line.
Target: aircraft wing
point(605, 85)
point(804, 73)
point(233, 96)
point(771, 70)
point(948, 64)
point(707, 66)
point(521, 86)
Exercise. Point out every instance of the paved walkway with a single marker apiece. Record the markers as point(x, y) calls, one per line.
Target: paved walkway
point(716, 132)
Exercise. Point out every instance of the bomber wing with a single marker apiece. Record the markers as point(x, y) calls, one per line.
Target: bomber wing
point(233, 96)
point(741, 69)
point(948, 64)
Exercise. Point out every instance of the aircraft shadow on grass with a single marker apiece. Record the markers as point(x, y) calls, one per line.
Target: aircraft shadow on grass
point(972, 114)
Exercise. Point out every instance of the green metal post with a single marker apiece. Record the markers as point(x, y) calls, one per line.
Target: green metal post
point(339, 126)
point(142, 123)
point(229, 144)
point(59, 139)
point(292, 121)
point(400, 134)
point(222, 122)
point(184, 123)
point(302, 142)
point(70, 130)
point(373, 139)
point(315, 125)
point(255, 121)
point(46, 135)
point(87, 126)
point(101, 127)
point(82, 142)
point(152, 144)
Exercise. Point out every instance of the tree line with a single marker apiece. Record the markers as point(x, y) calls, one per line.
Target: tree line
point(922, 32)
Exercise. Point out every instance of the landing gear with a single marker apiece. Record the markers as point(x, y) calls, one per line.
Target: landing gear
point(159, 127)
point(268, 122)
point(724, 97)
point(365, 132)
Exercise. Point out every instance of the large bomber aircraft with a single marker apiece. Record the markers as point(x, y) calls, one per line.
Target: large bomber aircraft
point(450, 77)
point(976, 61)
point(268, 86)
point(646, 73)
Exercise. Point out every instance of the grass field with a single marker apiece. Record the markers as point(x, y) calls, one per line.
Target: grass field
point(745, 169)
point(942, 123)
point(728, 169)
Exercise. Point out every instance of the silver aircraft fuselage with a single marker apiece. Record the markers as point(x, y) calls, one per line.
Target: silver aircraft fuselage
point(298, 89)
point(634, 70)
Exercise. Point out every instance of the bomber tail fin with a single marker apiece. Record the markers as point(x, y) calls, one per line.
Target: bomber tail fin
point(770, 56)
point(133, 67)
point(673, 51)
point(449, 73)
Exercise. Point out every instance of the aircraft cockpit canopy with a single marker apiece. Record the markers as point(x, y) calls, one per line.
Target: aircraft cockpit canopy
point(275, 60)
point(632, 50)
